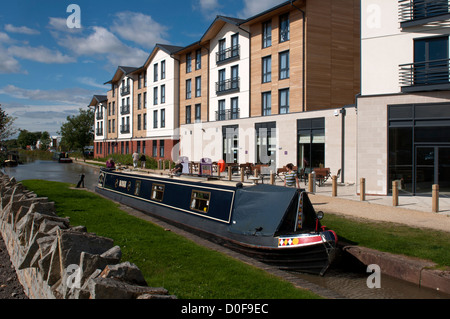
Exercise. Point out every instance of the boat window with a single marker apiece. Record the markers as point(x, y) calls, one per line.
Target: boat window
point(137, 189)
point(200, 201)
point(157, 192)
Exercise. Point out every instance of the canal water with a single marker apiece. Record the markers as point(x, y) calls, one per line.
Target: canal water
point(349, 283)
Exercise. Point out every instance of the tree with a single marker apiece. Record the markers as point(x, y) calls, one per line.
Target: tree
point(26, 138)
point(78, 131)
point(45, 141)
point(6, 125)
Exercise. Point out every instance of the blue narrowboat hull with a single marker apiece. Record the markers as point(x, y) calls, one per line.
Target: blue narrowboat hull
point(273, 224)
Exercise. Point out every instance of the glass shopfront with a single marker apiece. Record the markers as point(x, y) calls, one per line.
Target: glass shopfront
point(419, 147)
point(311, 143)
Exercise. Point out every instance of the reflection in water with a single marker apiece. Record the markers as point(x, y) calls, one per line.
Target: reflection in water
point(54, 171)
point(349, 284)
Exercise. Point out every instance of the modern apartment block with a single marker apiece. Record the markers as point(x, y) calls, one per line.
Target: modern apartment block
point(302, 69)
point(276, 88)
point(404, 107)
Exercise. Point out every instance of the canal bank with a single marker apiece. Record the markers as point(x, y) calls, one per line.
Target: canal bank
point(321, 205)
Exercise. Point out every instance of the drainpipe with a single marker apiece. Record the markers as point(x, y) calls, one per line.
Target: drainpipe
point(304, 55)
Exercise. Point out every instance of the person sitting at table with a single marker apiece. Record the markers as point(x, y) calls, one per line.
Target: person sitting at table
point(177, 170)
point(291, 178)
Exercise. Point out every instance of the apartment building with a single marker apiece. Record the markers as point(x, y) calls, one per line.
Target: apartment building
point(275, 88)
point(302, 61)
point(404, 107)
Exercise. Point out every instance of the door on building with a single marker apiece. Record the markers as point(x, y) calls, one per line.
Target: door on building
point(432, 167)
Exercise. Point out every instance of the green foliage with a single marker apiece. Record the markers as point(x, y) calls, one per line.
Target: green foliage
point(166, 259)
point(27, 138)
point(6, 125)
point(78, 131)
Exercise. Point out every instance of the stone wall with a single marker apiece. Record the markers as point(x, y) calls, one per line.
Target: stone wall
point(54, 260)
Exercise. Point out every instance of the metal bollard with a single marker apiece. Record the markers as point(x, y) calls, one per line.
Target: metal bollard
point(334, 186)
point(310, 183)
point(394, 193)
point(362, 189)
point(229, 173)
point(242, 174)
point(435, 198)
point(272, 178)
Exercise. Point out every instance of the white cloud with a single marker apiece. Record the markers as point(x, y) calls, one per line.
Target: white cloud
point(209, 8)
point(22, 30)
point(100, 43)
point(39, 54)
point(8, 64)
point(90, 82)
point(252, 7)
point(139, 28)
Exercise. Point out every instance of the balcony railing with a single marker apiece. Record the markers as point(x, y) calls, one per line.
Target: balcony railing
point(227, 86)
point(99, 131)
point(125, 90)
point(226, 115)
point(413, 10)
point(99, 116)
point(227, 54)
point(125, 109)
point(423, 76)
point(124, 129)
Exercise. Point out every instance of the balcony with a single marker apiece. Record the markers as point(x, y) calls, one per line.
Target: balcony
point(227, 86)
point(124, 129)
point(99, 116)
point(226, 115)
point(125, 90)
point(228, 54)
point(421, 12)
point(99, 131)
point(125, 109)
point(425, 76)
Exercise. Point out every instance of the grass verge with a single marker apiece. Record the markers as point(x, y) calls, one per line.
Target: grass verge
point(167, 260)
point(393, 238)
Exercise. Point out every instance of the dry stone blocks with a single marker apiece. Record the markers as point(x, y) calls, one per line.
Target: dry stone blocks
point(54, 260)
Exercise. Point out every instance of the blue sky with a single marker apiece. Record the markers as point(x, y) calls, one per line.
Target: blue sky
point(49, 71)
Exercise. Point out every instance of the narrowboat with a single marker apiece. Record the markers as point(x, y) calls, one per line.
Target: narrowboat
point(62, 157)
point(273, 224)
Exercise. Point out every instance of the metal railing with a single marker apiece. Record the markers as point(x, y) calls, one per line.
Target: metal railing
point(425, 73)
point(125, 129)
point(224, 55)
point(99, 131)
point(227, 115)
point(99, 116)
point(125, 90)
point(125, 109)
point(410, 10)
point(228, 85)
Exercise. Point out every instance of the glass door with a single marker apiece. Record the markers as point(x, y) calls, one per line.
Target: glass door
point(432, 167)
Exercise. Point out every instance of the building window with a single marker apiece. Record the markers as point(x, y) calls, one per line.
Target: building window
point(198, 113)
point(113, 108)
point(188, 63)
point(267, 34)
point(267, 103)
point(139, 122)
point(161, 148)
point(155, 96)
point(114, 125)
point(284, 101)
point(284, 65)
point(163, 69)
point(145, 79)
point(266, 144)
point(235, 45)
point(267, 69)
point(221, 113)
point(163, 93)
point(188, 114)
point(222, 50)
point(155, 119)
point(140, 81)
point(155, 148)
point(139, 101)
point(138, 146)
point(145, 100)
point(144, 121)
point(311, 142)
point(198, 59)
point(234, 108)
point(198, 86)
point(163, 118)
point(155, 72)
point(188, 89)
point(284, 27)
